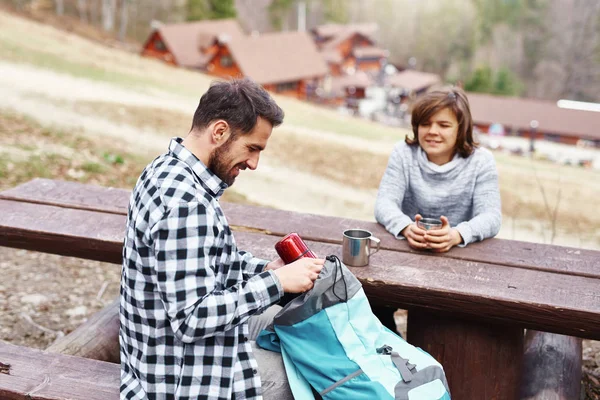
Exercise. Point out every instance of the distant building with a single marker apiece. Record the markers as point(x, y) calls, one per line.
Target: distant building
point(284, 62)
point(413, 83)
point(348, 90)
point(325, 33)
point(554, 123)
point(190, 44)
point(349, 48)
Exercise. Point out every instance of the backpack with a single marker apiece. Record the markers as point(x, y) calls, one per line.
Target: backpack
point(331, 341)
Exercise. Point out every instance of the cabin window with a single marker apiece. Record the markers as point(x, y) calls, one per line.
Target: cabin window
point(159, 45)
point(287, 86)
point(226, 61)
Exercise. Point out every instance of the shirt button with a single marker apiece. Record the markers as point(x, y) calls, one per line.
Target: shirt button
point(254, 371)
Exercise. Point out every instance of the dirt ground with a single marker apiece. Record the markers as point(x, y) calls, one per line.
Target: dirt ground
point(103, 131)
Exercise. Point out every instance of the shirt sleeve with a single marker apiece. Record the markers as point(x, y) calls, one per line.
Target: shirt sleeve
point(250, 265)
point(187, 249)
point(487, 208)
point(388, 206)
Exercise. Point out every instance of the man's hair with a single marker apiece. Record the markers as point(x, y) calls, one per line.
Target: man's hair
point(239, 102)
point(455, 100)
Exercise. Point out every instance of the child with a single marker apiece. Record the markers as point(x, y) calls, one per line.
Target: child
point(439, 173)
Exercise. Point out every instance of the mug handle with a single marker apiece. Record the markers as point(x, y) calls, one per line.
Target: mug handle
point(376, 240)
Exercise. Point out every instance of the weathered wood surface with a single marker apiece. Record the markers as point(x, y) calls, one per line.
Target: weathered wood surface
point(97, 338)
point(563, 303)
point(70, 194)
point(482, 360)
point(64, 231)
point(551, 367)
point(515, 283)
point(37, 375)
point(566, 260)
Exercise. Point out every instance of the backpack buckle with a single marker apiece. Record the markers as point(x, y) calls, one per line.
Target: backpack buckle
point(385, 350)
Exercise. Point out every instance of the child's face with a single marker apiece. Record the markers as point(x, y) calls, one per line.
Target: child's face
point(437, 137)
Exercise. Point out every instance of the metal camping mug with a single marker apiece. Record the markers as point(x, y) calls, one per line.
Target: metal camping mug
point(357, 247)
point(430, 223)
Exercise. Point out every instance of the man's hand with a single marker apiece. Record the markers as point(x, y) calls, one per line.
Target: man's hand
point(443, 239)
point(300, 275)
point(415, 235)
point(274, 264)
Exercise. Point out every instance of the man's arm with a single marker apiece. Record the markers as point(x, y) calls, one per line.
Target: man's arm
point(250, 265)
point(187, 251)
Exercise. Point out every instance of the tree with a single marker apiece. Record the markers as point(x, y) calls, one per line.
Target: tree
point(278, 10)
point(222, 9)
point(506, 83)
point(210, 9)
point(124, 19)
point(60, 7)
point(81, 8)
point(335, 11)
point(503, 82)
point(109, 8)
point(480, 81)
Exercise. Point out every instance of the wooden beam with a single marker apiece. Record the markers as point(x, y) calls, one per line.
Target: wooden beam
point(559, 259)
point(482, 360)
point(71, 195)
point(551, 367)
point(64, 231)
point(97, 338)
point(34, 374)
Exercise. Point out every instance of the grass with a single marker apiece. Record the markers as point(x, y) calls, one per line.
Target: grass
point(53, 153)
point(13, 52)
point(31, 43)
point(71, 157)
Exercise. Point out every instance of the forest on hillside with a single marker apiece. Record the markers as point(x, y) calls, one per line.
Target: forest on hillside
point(546, 49)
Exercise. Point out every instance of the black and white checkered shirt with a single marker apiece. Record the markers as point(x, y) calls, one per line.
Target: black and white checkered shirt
point(186, 290)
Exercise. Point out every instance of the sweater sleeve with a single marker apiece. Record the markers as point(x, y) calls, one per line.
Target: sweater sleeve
point(388, 206)
point(487, 210)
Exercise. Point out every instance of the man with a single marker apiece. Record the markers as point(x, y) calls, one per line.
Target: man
point(187, 293)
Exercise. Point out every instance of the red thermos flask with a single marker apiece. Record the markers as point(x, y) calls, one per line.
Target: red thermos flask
point(292, 248)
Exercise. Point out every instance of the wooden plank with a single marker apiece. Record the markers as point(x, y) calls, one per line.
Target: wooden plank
point(567, 260)
point(37, 375)
point(551, 367)
point(540, 300)
point(71, 195)
point(482, 360)
point(512, 253)
point(97, 338)
point(562, 304)
point(64, 231)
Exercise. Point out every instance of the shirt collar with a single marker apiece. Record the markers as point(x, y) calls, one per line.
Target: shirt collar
point(438, 169)
point(212, 182)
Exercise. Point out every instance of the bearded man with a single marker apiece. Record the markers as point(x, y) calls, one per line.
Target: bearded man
point(190, 300)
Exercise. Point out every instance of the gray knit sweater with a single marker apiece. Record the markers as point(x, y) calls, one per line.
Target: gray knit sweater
point(465, 190)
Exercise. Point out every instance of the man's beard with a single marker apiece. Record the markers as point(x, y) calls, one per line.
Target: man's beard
point(219, 163)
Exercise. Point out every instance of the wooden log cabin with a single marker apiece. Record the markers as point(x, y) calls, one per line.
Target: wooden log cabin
point(556, 124)
point(189, 45)
point(350, 48)
point(413, 83)
point(285, 62)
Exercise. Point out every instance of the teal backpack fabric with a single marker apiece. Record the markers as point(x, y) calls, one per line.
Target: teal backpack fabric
point(330, 340)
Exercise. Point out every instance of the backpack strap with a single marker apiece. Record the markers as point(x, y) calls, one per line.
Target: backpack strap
point(404, 367)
